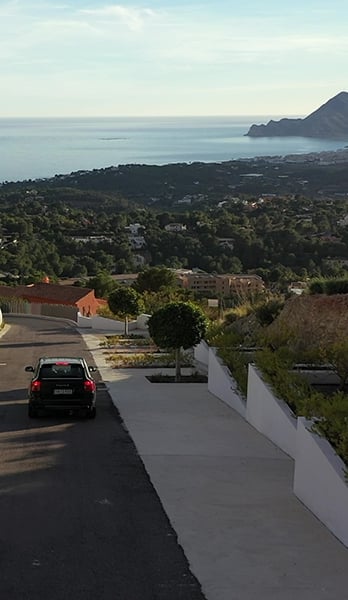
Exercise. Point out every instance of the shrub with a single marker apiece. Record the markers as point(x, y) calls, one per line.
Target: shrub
point(336, 286)
point(317, 286)
point(329, 286)
point(142, 359)
point(288, 385)
point(221, 338)
point(237, 361)
point(269, 310)
point(331, 421)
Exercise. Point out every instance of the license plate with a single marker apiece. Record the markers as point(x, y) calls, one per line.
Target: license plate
point(62, 392)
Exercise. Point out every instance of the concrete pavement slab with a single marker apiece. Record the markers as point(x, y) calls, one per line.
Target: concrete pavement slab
point(227, 491)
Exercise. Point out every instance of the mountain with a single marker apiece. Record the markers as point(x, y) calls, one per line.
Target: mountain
point(330, 121)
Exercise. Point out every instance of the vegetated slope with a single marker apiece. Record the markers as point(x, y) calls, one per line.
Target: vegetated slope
point(314, 319)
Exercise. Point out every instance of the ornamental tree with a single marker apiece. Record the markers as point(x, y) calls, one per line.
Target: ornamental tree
point(102, 283)
point(178, 325)
point(153, 279)
point(125, 302)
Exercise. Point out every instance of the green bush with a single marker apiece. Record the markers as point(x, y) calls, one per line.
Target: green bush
point(331, 421)
point(288, 385)
point(269, 310)
point(237, 362)
point(317, 286)
point(219, 338)
point(329, 286)
point(148, 359)
point(337, 286)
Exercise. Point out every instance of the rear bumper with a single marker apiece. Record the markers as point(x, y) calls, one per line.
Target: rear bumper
point(62, 404)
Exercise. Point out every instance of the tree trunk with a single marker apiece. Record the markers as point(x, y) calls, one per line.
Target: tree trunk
point(177, 365)
point(126, 326)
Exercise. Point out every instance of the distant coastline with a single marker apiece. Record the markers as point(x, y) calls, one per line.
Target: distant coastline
point(41, 148)
point(329, 121)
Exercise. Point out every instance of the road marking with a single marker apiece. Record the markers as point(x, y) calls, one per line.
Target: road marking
point(36, 563)
point(3, 364)
point(105, 501)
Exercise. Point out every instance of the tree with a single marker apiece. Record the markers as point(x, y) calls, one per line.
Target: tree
point(177, 325)
point(125, 302)
point(102, 283)
point(152, 279)
point(153, 301)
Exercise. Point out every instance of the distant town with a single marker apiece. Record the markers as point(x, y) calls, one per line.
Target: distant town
point(281, 219)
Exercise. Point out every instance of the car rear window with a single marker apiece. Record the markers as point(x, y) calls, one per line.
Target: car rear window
point(61, 370)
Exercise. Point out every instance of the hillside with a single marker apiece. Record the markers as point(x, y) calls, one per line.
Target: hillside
point(317, 319)
point(329, 121)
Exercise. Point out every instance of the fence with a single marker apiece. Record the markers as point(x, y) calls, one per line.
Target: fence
point(22, 307)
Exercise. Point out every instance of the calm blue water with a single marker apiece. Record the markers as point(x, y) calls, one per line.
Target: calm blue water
point(38, 148)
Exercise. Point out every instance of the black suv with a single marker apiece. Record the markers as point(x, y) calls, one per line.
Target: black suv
point(62, 384)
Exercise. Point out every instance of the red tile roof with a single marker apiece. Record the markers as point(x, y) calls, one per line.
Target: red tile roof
point(68, 294)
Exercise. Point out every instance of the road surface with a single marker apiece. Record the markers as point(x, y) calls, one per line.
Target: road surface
point(79, 517)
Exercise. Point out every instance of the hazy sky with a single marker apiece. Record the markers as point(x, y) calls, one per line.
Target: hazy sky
point(171, 57)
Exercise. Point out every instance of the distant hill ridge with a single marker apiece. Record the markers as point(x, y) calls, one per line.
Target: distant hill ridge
point(330, 121)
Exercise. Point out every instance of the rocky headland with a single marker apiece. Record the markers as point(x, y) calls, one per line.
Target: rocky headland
point(329, 121)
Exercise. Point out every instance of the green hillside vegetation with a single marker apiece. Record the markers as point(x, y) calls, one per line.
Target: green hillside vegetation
point(281, 238)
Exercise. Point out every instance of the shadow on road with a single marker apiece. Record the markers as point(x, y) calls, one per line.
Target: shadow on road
point(34, 344)
point(79, 517)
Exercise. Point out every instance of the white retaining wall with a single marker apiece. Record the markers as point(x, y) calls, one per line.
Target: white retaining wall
point(222, 384)
point(201, 353)
point(111, 325)
point(270, 415)
point(319, 480)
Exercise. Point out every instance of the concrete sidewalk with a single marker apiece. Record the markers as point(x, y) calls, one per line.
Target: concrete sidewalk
point(227, 491)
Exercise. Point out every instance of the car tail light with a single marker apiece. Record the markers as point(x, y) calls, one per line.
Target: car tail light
point(89, 386)
point(36, 386)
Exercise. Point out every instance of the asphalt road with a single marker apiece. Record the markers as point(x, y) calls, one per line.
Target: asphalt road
point(79, 517)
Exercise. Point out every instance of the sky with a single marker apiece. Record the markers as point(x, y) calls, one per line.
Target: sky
point(64, 58)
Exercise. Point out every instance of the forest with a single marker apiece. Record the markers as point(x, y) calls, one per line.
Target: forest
point(63, 231)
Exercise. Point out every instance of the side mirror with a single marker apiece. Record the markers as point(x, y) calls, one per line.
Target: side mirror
point(30, 369)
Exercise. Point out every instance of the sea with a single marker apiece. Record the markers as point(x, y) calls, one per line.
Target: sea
point(39, 148)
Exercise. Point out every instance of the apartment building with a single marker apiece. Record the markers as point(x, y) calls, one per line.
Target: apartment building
point(221, 285)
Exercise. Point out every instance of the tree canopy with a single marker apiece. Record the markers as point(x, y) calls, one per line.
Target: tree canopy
point(125, 302)
point(178, 325)
point(152, 279)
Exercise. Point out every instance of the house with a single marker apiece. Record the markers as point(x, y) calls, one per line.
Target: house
point(185, 200)
point(175, 227)
point(229, 285)
point(137, 242)
point(197, 281)
point(343, 222)
point(83, 299)
point(226, 243)
point(133, 228)
point(297, 287)
point(125, 278)
point(95, 239)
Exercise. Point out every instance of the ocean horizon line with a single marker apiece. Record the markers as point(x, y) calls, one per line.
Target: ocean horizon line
point(207, 116)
